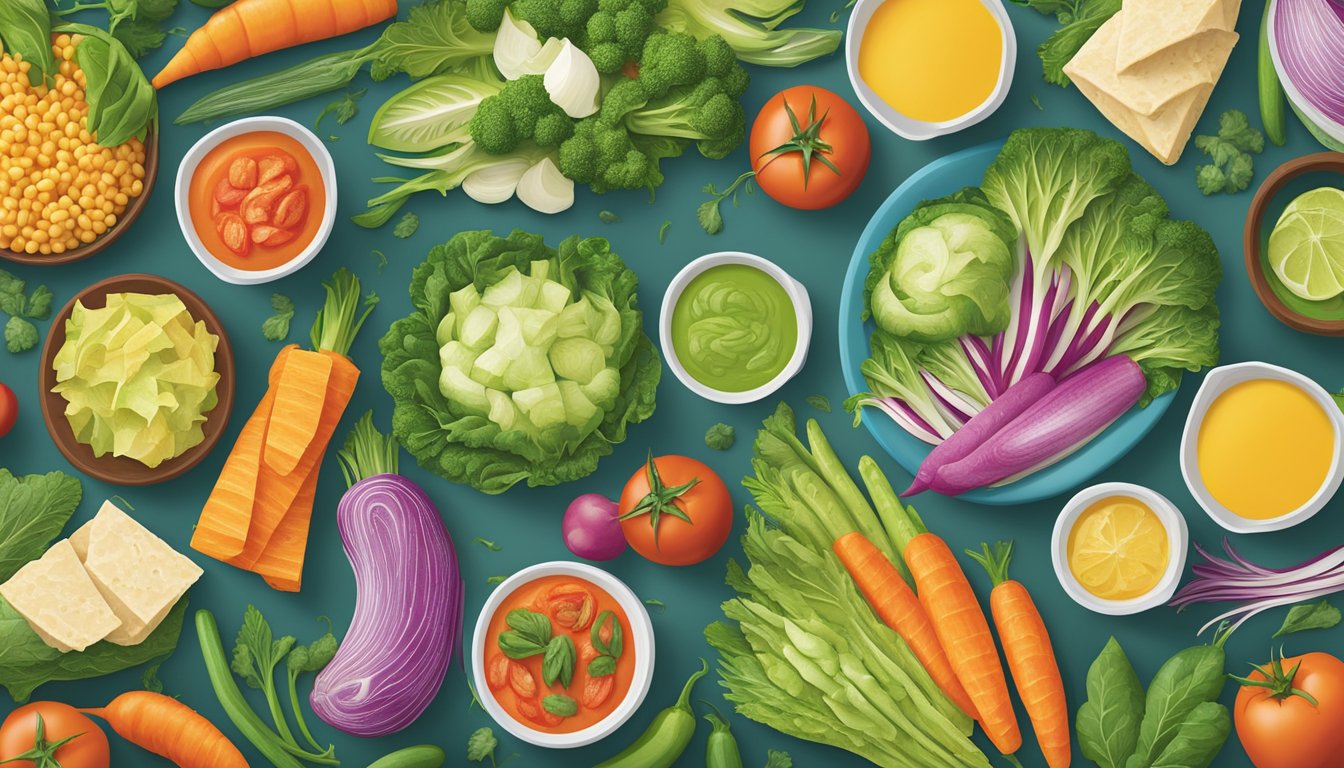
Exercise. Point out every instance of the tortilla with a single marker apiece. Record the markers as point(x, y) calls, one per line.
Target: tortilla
point(1150, 26)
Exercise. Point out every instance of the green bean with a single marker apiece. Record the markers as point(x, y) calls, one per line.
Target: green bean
point(320, 75)
point(1271, 90)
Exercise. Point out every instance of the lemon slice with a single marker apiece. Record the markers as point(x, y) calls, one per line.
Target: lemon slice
point(1319, 199)
point(1118, 549)
point(1306, 251)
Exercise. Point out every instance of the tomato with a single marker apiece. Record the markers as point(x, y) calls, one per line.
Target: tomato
point(809, 148)
point(538, 714)
point(521, 681)
point(21, 735)
point(9, 409)
point(497, 671)
point(571, 606)
point(597, 690)
point(676, 511)
point(1278, 727)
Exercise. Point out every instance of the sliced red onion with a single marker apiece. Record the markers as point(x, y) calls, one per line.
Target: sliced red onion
point(1309, 37)
point(408, 610)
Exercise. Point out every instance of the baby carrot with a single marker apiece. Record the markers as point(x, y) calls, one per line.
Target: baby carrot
point(1031, 658)
point(170, 729)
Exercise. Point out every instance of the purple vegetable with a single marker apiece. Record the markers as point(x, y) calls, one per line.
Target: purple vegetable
point(1070, 415)
point(1308, 52)
point(1256, 589)
point(409, 601)
point(984, 425)
point(592, 528)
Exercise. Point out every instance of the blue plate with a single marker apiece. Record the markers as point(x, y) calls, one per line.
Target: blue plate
point(943, 177)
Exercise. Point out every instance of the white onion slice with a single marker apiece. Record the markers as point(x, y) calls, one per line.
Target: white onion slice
point(543, 188)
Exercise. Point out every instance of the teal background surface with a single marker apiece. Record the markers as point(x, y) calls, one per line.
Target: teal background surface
point(814, 246)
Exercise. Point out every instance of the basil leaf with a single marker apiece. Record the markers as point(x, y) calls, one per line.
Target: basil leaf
point(1186, 680)
point(121, 100)
point(1320, 615)
point(612, 647)
point(533, 625)
point(560, 705)
point(25, 26)
point(1199, 740)
point(559, 661)
point(602, 666)
point(517, 646)
point(1108, 722)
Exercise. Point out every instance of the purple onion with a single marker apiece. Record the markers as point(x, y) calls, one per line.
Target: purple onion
point(1309, 41)
point(408, 610)
point(592, 528)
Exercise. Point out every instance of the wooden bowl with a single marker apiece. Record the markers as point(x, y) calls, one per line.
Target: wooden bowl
point(124, 222)
point(1274, 183)
point(120, 470)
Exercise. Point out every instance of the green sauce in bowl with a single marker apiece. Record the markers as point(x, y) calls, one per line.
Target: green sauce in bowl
point(734, 328)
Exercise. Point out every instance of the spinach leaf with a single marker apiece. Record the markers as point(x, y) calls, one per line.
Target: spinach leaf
point(26, 662)
point(558, 664)
point(563, 706)
point(1108, 722)
point(1320, 615)
point(1199, 739)
point(33, 510)
point(1186, 680)
point(25, 28)
point(121, 100)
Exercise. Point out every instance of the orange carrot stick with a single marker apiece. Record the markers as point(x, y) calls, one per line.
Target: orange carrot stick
point(896, 605)
point(250, 28)
point(964, 633)
point(298, 402)
point(226, 518)
point(1031, 658)
point(170, 729)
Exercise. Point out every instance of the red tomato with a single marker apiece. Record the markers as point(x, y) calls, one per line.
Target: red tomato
point(676, 511)
point(810, 118)
point(1283, 729)
point(9, 409)
point(19, 736)
point(497, 671)
point(571, 606)
point(521, 681)
point(597, 690)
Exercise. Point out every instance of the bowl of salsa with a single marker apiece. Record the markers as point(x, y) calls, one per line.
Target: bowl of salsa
point(562, 654)
point(256, 199)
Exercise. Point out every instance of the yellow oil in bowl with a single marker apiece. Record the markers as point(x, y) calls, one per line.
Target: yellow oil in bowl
point(1118, 549)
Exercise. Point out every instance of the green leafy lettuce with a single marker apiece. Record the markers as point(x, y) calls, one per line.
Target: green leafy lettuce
point(520, 362)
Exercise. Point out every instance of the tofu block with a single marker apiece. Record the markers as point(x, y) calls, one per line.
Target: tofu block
point(1149, 27)
point(55, 595)
point(1170, 91)
point(137, 573)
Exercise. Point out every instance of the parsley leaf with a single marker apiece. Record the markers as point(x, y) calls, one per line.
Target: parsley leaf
point(276, 327)
point(39, 304)
point(12, 291)
point(342, 109)
point(140, 36)
point(777, 759)
point(407, 226)
point(20, 335)
point(149, 679)
point(1232, 151)
point(820, 402)
point(481, 745)
point(720, 437)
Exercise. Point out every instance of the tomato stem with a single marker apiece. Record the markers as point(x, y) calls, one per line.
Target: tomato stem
point(1278, 682)
point(43, 753)
point(660, 500)
point(806, 141)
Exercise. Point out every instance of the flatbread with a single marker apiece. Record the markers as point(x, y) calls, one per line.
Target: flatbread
point(1150, 87)
point(1148, 27)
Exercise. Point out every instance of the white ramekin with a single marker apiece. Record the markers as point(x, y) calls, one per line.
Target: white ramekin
point(1218, 381)
point(908, 127)
point(1178, 539)
point(640, 637)
point(802, 309)
point(181, 196)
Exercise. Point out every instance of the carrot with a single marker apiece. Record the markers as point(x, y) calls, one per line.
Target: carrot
point(226, 519)
point(894, 603)
point(964, 633)
point(170, 729)
point(298, 395)
point(250, 28)
point(1031, 658)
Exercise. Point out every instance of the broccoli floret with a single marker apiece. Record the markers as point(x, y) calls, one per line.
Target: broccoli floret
point(605, 158)
point(671, 60)
point(624, 97)
point(486, 15)
point(555, 18)
point(616, 33)
point(707, 114)
point(521, 110)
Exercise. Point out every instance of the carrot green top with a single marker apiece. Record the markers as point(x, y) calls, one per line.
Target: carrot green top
point(336, 325)
point(995, 560)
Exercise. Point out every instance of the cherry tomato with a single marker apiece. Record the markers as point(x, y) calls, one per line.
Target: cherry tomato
point(676, 511)
point(571, 606)
point(19, 736)
point(521, 681)
point(597, 690)
point(1281, 728)
point(9, 409)
point(497, 671)
point(806, 119)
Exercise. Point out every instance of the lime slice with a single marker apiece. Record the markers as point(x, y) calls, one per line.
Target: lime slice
point(1306, 251)
point(1321, 199)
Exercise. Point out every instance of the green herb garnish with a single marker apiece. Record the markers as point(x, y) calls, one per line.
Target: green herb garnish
point(407, 226)
point(276, 327)
point(720, 437)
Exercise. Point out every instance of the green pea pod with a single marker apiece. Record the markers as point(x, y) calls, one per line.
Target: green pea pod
point(722, 751)
point(422, 756)
point(666, 737)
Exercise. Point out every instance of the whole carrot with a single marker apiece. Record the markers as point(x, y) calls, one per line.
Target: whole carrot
point(1031, 658)
point(964, 633)
point(250, 28)
point(896, 605)
point(170, 729)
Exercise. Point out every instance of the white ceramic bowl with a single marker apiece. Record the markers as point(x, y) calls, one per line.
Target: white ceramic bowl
point(213, 139)
point(1218, 381)
point(920, 130)
point(640, 637)
point(802, 308)
point(1178, 538)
